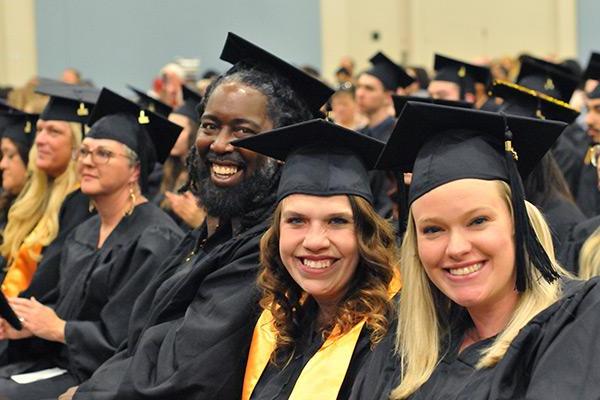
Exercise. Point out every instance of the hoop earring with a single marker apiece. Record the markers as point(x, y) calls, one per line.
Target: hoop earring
point(133, 199)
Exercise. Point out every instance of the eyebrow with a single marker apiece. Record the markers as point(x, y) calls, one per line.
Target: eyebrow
point(344, 214)
point(211, 117)
point(468, 213)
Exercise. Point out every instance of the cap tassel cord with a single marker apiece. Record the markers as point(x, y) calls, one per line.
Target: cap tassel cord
point(527, 246)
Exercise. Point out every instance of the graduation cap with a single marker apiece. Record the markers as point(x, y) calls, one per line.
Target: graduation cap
point(519, 100)
point(592, 71)
point(20, 128)
point(312, 91)
point(191, 100)
point(391, 75)
point(4, 106)
point(71, 103)
point(6, 110)
point(463, 74)
point(442, 144)
point(8, 314)
point(400, 101)
point(150, 135)
point(150, 103)
point(321, 158)
point(545, 77)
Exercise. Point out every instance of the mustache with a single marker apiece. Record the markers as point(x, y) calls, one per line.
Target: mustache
point(231, 158)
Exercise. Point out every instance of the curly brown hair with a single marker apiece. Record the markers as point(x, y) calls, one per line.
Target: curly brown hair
point(367, 298)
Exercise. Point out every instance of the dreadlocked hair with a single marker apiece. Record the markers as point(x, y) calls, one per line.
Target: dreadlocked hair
point(284, 106)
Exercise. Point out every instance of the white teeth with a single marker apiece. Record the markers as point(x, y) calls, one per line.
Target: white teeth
point(465, 270)
point(224, 169)
point(321, 264)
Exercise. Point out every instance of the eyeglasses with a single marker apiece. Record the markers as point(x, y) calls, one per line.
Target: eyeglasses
point(99, 155)
point(595, 155)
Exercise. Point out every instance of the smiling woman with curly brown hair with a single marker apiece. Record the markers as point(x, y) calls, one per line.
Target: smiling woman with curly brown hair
point(328, 265)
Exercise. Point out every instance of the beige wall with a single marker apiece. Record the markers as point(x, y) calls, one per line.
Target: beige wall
point(18, 61)
point(412, 30)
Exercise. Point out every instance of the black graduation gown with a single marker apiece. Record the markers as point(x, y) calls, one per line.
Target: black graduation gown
point(569, 251)
point(97, 289)
point(379, 182)
point(588, 195)
point(73, 212)
point(278, 382)
point(562, 216)
point(569, 152)
point(553, 357)
point(198, 324)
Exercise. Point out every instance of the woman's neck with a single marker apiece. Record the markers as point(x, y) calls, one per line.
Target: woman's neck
point(491, 319)
point(112, 208)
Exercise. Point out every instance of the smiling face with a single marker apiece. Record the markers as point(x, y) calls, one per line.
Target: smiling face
point(318, 245)
point(54, 143)
point(14, 171)
point(465, 242)
point(233, 111)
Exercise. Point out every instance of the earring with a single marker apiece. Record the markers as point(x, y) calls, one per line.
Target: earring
point(91, 206)
point(133, 200)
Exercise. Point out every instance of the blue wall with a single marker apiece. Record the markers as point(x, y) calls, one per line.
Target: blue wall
point(588, 28)
point(114, 42)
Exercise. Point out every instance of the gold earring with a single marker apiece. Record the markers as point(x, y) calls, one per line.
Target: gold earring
point(133, 200)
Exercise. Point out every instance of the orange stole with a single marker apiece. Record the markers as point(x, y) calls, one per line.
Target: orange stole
point(21, 270)
point(317, 379)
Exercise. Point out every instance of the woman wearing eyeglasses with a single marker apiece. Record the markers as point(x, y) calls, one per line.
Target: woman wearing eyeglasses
point(106, 261)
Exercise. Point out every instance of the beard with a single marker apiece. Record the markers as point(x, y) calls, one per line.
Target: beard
point(229, 202)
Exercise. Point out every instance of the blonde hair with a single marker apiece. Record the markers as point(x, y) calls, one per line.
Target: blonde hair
point(33, 218)
point(589, 256)
point(425, 313)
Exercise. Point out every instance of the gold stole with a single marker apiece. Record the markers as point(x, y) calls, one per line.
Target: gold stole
point(318, 379)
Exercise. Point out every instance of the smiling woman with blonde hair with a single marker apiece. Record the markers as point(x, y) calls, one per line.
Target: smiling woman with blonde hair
point(328, 266)
point(485, 312)
point(49, 205)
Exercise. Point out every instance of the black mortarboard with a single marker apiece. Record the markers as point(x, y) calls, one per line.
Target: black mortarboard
point(20, 128)
point(191, 99)
point(592, 71)
point(311, 90)
point(545, 77)
point(71, 103)
point(442, 144)
point(463, 74)
point(4, 106)
point(525, 102)
point(150, 103)
point(388, 72)
point(8, 314)
point(150, 135)
point(321, 158)
point(6, 110)
point(400, 101)
point(401, 196)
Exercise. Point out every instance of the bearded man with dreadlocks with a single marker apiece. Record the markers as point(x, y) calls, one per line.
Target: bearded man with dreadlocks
point(191, 326)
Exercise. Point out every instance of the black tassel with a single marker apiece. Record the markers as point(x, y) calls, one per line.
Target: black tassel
point(402, 201)
point(527, 246)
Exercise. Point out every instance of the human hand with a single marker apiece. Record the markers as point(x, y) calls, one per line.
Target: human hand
point(39, 319)
point(68, 395)
point(8, 332)
point(186, 207)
